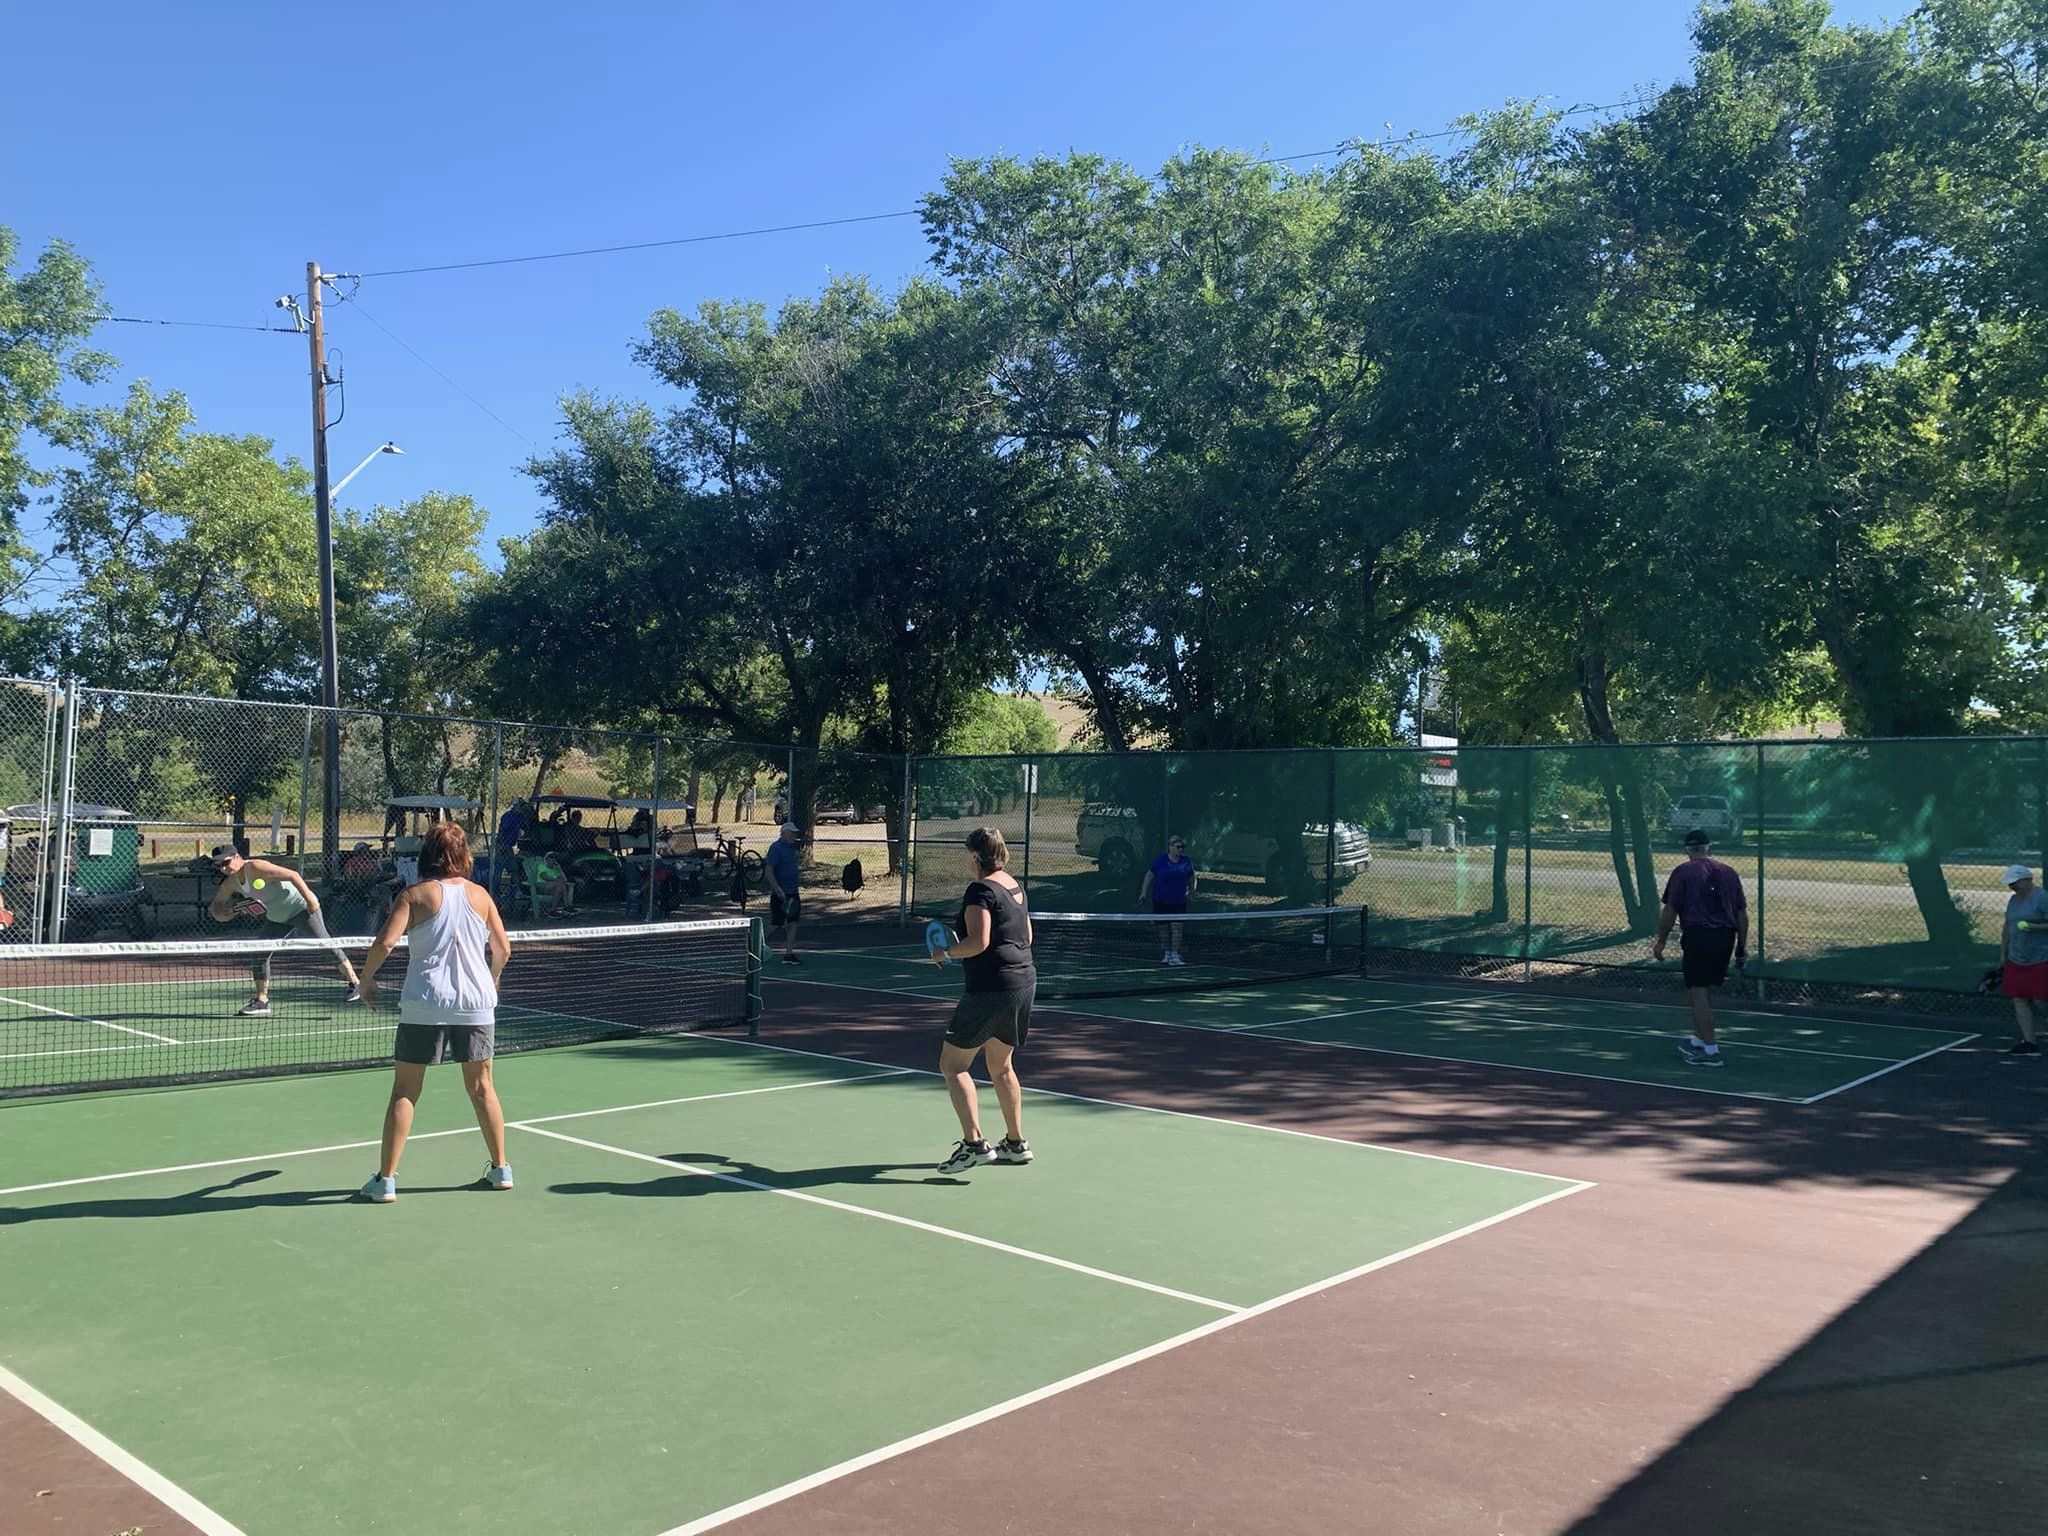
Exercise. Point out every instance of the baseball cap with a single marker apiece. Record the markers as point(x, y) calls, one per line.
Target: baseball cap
point(2016, 872)
point(790, 826)
point(224, 851)
point(1697, 838)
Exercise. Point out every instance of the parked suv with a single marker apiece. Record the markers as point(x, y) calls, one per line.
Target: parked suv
point(1711, 814)
point(1111, 835)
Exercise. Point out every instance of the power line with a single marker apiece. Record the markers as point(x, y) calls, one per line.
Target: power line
point(908, 213)
point(204, 325)
point(646, 245)
point(472, 399)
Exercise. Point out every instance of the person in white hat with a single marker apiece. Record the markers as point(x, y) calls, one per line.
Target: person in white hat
point(2023, 954)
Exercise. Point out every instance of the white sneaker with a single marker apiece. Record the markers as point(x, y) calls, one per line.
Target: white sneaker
point(1175, 959)
point(499, 1176)
point(381, 1190)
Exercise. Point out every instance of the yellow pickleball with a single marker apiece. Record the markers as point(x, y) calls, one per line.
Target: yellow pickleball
point(256, 884)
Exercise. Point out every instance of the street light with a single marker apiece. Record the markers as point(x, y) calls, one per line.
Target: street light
point(335, 489)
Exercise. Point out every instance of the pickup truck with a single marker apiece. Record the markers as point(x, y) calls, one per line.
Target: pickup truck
point(1110, 835)
point(1711, 814)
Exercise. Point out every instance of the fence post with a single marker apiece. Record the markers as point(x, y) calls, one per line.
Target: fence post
point(52, 708)
point(1030, 795)
point(789, 789)
point(1528, 862)
point(305, 786)
point(1760, 775)
point(1330, 829)
point(67, 759)
point(653, 838)
point(498, 855)
point(909, 843)
point(2041, 809)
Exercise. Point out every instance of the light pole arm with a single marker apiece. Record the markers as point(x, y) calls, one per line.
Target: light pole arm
point(335, 489)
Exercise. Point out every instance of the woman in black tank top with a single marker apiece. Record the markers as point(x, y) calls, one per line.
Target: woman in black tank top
point(993, 946)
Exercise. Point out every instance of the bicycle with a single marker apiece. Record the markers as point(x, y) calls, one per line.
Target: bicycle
point(731, 859)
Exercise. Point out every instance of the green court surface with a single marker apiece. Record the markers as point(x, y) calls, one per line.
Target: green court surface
point(1786, 1057)
point(714, 1252)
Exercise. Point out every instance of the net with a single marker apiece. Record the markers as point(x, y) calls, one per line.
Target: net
point(1124, 954)
point(82, 1016)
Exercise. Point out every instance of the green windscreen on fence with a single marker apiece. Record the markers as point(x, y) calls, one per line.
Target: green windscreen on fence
point(1871, 864)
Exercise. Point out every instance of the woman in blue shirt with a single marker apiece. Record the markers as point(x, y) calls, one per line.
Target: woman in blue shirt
point(1169, 884)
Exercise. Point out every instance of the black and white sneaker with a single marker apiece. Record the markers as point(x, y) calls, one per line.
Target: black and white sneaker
point(255, 1008)
point(792, 959)
point(2023, 1048)
point(354, 993)
point(1013, 1149)
point(968, 1154)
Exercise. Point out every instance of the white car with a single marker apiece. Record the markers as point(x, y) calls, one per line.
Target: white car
point(1711, 814)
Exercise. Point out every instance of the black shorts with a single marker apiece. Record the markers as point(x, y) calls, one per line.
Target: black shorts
point(980, 1017)
point(1168, 908)
point(1707, 952)
point(784, 910)
point(429, 1045)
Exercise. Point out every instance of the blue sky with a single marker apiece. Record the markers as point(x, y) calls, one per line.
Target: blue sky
point(199, 156)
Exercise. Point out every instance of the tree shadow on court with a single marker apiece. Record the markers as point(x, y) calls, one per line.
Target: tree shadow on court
point(715, 1163)
point(210, 1200)
point(1918, 1409)
point(1959, 1121)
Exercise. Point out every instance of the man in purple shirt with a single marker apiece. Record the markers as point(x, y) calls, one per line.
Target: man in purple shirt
point(1706, 896)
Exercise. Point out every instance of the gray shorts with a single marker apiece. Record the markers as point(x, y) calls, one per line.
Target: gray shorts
point(429, 1045)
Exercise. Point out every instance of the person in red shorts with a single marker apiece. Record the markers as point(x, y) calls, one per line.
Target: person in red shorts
point(2023, 952)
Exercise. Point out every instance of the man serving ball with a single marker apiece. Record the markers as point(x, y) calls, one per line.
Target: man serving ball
point(256, 887)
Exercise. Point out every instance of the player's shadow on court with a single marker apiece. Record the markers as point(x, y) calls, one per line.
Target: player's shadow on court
point(715, 1163)
point(208, 1200)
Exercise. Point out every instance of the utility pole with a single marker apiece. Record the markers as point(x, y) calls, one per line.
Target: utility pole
point(323, 516)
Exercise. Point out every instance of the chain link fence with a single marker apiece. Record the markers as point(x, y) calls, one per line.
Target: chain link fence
point(1871, 866)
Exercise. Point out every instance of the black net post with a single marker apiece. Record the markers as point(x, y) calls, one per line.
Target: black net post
point(757, 962)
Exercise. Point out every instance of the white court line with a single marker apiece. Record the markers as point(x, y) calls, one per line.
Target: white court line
point(208, 1041)
point(1350, 1013)
point(355, 1146)
point(1328, 1045)
point(1522, 1021)
point(699, 1171)
point(1732, 1012)
point(1883, 1071)
point(137, 1471)
point(1473, 1061)
point(1177, 1114)
point(79, 1018)
point(945, 1431)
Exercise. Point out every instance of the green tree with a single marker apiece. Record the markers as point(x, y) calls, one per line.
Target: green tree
point(46, 314)
point(1214, 552)
point(194, 572)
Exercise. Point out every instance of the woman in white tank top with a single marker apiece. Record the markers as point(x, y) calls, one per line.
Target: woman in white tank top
point(456, 950)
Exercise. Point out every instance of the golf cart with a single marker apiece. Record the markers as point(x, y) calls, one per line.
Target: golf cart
point(591, 859)
point(669, 849)
point(103, 886)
